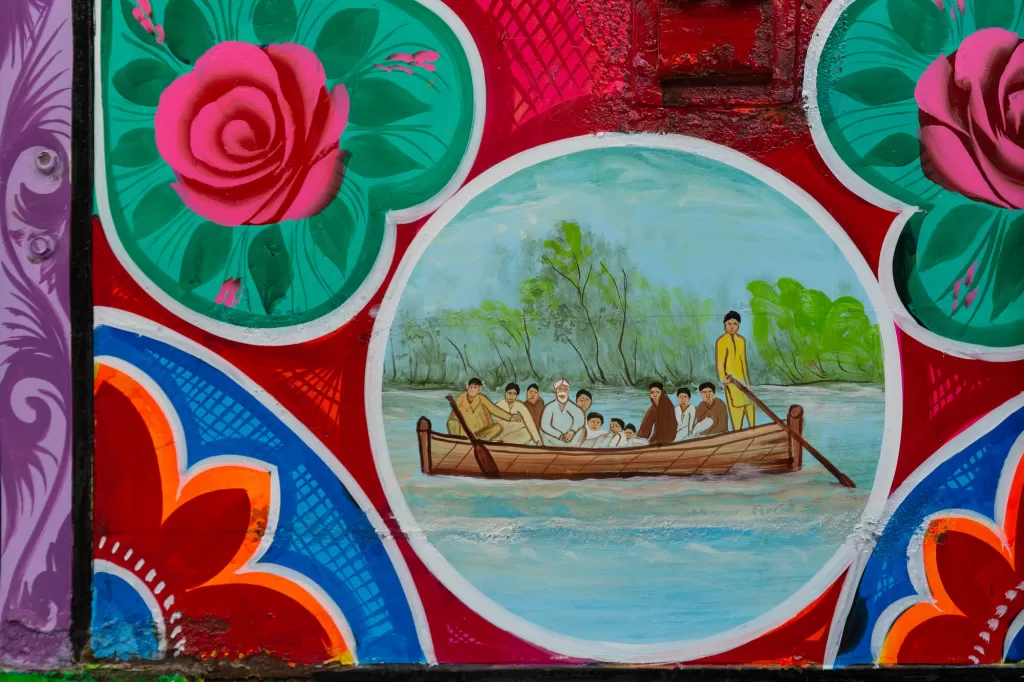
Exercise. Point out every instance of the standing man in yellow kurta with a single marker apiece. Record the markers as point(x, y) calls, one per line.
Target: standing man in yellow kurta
point(731, 359)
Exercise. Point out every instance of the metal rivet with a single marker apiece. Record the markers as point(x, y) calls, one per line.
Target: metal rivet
point(46, 161)
point(40, 248)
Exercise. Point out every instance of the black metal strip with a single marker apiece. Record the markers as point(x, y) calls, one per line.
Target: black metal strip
point(81, 325)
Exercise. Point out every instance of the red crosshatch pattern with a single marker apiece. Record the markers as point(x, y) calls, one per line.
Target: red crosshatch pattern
point(554, 65)
point(551, 58)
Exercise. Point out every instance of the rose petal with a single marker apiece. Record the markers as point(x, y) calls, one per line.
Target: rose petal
point(978, 63)
point(227, 207)
point(252, 109)
point(1010, 82)
point(1002, 163)
point(302, 80)
point(145, 6)
point(240, 139)
point(225, 66)
point(934, 91)
point(319, 188)
point(946, 162)
point(339, 96)
point(401, 57)
point(1013, 113)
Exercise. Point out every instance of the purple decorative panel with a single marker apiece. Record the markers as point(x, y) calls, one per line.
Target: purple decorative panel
point(35, 366)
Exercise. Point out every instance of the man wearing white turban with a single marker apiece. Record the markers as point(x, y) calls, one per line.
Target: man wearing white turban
point(562, 422)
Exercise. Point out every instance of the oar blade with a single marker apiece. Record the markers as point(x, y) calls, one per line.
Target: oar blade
point(485, 461)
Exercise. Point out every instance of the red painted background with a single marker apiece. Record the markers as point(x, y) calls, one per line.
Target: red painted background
point(729, 72)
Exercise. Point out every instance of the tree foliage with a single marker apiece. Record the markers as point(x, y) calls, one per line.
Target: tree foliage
point(804, 336)
point(584, 311)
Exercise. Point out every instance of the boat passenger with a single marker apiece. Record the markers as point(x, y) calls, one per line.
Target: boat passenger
point(562, 420)
point(731, 361)
point(685, 413)
point(479, 413)
point(584, 400)
point(593, 435)
point(524, 431)
point(659, 424)
point(711, 415)
point(615, 433)
point(534, 403)
point(630, 439)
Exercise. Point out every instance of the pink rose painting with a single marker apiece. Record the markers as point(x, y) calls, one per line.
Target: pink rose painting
point(923, 100)
point(972, 118)
point(252, 134)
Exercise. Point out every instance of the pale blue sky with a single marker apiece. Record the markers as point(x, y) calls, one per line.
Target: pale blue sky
point(687, 221)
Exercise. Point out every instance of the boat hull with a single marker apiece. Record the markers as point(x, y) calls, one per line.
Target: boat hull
point(764, 449)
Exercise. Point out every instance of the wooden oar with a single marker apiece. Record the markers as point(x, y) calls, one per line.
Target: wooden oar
point(842, 478)
point(484, 460)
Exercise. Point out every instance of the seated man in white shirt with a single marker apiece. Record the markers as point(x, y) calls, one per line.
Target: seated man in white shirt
point(593, 435)
point(685, 413)
point(562, 421)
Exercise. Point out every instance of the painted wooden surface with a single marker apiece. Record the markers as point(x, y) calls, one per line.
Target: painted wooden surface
point(312, 219)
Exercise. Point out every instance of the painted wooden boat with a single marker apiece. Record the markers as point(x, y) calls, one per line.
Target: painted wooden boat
point(765, 449)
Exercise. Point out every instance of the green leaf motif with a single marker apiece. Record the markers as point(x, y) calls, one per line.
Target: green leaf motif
point(953, 233)
point(374, 156)
point(188, 32)
point(271, 266)
point(133, 25)
point(274, 20)
point(894, 151)
point(989, 13)
point(920, 23)
point(1008, 283)
point(877, 85)
point(157, 207)
point(332, 232)
point(143, 81)
point(345, 39)
point(135, 149)
point(205, 255)
point(378, 101)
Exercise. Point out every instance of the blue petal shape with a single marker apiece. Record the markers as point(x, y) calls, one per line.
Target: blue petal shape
point(321, 532)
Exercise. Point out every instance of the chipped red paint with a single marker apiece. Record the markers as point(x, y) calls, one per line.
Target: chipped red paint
point(715, 37)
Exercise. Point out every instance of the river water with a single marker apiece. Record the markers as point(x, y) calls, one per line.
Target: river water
point(654, 559)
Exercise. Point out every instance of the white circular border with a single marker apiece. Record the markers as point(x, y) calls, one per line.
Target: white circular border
point(311, 329)
point(612, 651)
point(869, 193)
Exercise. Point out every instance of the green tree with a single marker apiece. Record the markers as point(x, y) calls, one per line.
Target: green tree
point(803, 335)
point(568, 258)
